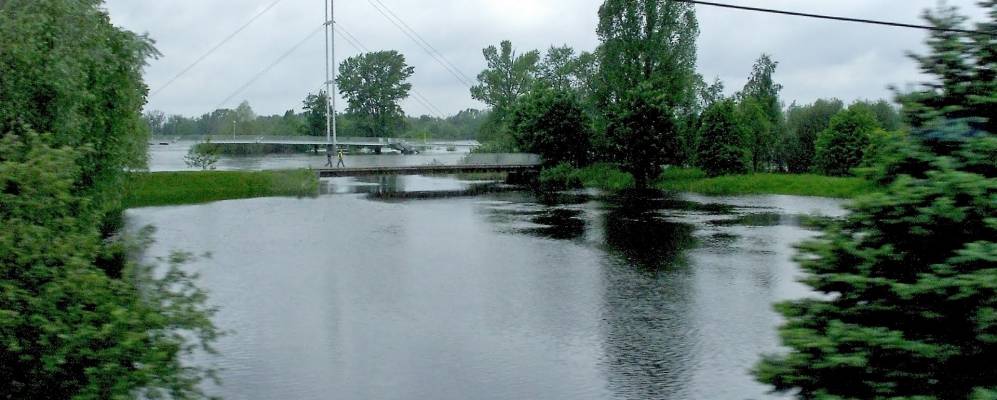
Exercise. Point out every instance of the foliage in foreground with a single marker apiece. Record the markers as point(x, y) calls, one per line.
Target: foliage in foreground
point(176, 188)
point(77, 320)
point(909, 278)
point(912, 275)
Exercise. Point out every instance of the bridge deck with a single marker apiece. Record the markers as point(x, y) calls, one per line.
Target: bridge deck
point(427, 170)
point(343, 141)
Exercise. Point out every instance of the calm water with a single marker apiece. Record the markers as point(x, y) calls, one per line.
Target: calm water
point(383, 290)
point(170, 158)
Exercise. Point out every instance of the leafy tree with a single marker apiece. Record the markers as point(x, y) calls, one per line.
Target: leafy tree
point(803, 124)
point(760, 98)
point(562, 70)
point(647, 41)
point(842, 145)
point(721, 149)
point(909, 276)
point(508, 76)
point(156, 120)
point(910, 282)
point(243, 118)
point(61, 62)
point(557, 68)
point(373, 84)
point(648, 54)
point(644, 138)
point(553, 124)
point(315, 106)
point(464, 125)
point(203, 156)
point(758, 130)
point(887, 116)
point(712, 93)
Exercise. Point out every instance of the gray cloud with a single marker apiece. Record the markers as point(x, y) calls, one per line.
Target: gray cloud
point(817, 58)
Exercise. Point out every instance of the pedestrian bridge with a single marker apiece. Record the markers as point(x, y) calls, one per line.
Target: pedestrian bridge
point(512, 169)
point(403, 145)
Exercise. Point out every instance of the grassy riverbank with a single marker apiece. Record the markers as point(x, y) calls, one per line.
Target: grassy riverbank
point(600, 176)
point(692, 180)
point(175, 188)
point(610, 178)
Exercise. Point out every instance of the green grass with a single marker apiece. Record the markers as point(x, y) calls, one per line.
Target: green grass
point(602, 176)
point(609, 178)
point(176, 188)
point(693, 180)
point(605, 177)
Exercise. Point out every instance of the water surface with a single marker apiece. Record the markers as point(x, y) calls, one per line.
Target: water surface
point(507, 295)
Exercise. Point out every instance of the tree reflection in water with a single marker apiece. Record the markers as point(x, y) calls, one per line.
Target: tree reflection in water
point(650, 338)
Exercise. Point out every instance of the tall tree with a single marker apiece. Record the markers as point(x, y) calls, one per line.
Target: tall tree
point(721, 148)
point(315, 106)
point(758, 130)
point(373, 84)
point(887, 115)
point(562, 70)
point(909, 301)
point(712, 93)
point(507, 76)
point(647, 59)
point(44, 84)
point(156, 120)
point(761, 94)
point(842, 145)
point(553, 124)
point(647, 41)
point(557, 70)
point(645, 137)
point(803, 124)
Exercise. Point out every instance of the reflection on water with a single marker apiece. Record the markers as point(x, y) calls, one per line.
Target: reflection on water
point(503, 295)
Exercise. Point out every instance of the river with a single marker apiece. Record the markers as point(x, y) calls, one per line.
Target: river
point(366, 294)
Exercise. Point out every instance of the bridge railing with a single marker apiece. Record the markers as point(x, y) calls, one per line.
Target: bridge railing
point(501, 159)
point(292, 139)
point(344, 140)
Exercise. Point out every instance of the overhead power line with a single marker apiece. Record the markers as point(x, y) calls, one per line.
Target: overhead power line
point(835, 18)
point(412, 35)
point(418, 97)
point(424, 41)
point(271, 66)
point(215, 48)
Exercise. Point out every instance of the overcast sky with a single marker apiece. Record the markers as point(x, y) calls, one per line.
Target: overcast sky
point(816, 58)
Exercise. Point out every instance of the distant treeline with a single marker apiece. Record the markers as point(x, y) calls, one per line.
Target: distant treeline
point(242, 120)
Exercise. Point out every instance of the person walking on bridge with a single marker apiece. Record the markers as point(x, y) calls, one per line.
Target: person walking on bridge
point(340, 163)
point(328, 157)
